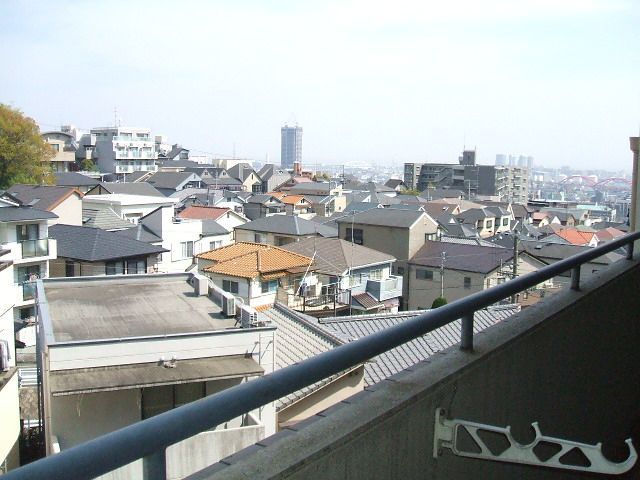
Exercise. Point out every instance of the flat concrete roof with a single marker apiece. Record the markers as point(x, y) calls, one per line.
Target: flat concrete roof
point(129, 306)
point(120, 377)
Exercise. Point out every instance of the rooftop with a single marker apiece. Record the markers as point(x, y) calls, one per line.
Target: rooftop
point(20, 214)
point(466, 258)
point(129, 306)
point(288, 225)
point(126, 199)
point(250, 260)
point(94, 244)
point(334, 256)
point(44, 197)
point(386, 217)
point(202, 213)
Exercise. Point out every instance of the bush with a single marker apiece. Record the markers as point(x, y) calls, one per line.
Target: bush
point(438, 302)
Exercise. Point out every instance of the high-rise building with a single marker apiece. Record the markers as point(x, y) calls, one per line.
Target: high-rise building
point(501, 160)
point(290, 146)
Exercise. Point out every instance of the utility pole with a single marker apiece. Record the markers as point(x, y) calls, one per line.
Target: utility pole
point(443, 257)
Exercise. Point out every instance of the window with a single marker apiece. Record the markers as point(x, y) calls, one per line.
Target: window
point(355, 279)
point(430, 236)
point(467, 283)
point(29, 231)
point(375, 274)
point(423, 274)
point(114, 268)
point(215, 244)
point(187, 249)
point(25, 274)
point(156, 400)
point(269, 286)
point(56, 147)
point(356, 234)
point(136, 266)
point(505, 222)
point(69, 268)
point(400, 270)
point(230, 286)
point(488, 224)
point(260, 238)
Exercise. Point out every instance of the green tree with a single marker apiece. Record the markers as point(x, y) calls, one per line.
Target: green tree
point(24, 155)
point(88, 165)
point(411, 191)
point(439, 302)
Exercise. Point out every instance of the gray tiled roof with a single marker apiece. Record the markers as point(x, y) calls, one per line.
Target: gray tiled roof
point(466, 258)
point(138, 188)
point(43, 197)
point(288, 225)
point(360, 206)
point(141, 233)
point(385, 217)
point(410, 353)
point(557, 251)
point(298, 338)
point(18, 214)
point(94, 244)
point(74, 179)
point(334, 256)
point(104, 218)
point(170, 180)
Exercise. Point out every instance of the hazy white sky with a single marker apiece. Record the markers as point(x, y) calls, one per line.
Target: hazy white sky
point(368, 80)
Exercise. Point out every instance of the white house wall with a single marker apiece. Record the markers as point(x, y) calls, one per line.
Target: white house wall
point(9, 417)
point(69, 211)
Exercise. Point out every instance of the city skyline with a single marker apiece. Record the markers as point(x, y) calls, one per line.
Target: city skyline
point(553, 80)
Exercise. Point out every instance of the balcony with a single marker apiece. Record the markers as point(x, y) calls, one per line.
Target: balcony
point(28, 291)
point(122, 139)
point(324, 305)
point(570, 363)
point(35, 248)
point(385, 289)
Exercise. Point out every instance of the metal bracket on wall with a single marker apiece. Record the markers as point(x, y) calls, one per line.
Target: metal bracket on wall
point(499, 445)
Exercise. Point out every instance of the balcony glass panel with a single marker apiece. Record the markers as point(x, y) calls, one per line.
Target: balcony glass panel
point(35, 248)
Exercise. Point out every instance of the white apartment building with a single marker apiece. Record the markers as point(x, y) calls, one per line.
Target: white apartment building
point(25, 252)
point(123, 150)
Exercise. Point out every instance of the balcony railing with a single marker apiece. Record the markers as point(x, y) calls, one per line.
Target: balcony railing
point(35, 248)
point(149, 439)
point(120, 138)
point(386, 288)
point(28, 291)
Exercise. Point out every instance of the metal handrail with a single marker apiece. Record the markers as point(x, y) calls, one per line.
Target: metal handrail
point(149, 438)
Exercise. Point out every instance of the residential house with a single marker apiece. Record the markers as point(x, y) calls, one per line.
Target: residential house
point(396, 184)
point(542, 219)
point(183, 237)
point(296, 205)
point(76, 180)
point(251, 181)
point(280, 230)
point(25, 252)
point(567, 219)
point(99, 365)
point(273, 177)
point(487, 221)
point(342, 267)
point(226, 217)
point(65, 146)
point(577, 237)
point(128, 207)
point(458, 270)
point(87, 251)
point(168, 183)
point(326, 198)
point(64, 202)
point(255, 272)
point(25, 245)
point(553, 252)
point(399, 233)
point(608, 234)
point(263, 205)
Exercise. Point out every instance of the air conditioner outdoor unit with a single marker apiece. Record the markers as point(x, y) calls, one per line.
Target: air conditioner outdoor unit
point(229, 305)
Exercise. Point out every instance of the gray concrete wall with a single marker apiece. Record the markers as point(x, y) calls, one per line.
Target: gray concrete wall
point(569, 363)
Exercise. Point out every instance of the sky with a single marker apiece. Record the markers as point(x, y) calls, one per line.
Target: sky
point(369, 81)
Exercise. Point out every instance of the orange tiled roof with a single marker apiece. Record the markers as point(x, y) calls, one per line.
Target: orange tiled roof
point(278, 195)
point(249, 260)
point(609, 233)
point(576, 237)
point(203, 213)
point(293, 199)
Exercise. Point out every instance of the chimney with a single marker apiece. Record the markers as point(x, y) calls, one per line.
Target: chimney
point(297, 168)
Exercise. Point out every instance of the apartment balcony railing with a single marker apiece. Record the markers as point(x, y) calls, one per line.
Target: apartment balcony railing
point(386, 288)
point(149, 439)
point(28, 291)
point(35, 248)
point(120, 138)
point(328, 303)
